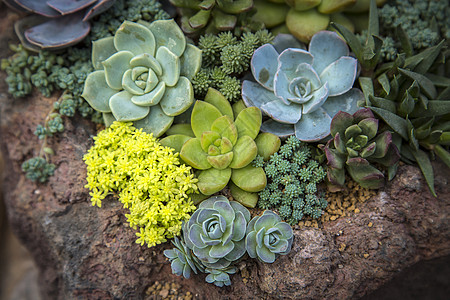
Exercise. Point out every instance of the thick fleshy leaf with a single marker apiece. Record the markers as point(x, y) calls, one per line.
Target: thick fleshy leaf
point(219, 251)
point(278, 129)
point(319, 97)
point(285, 229)
point(108, 119)
point(181, 128)
point(168, 34)
point(69, 6)
point(225, 127)
point(221, 161)
point(195, 233)
point(200, 19)
point(217, 99)
point(288, 114)
point(223, 21)
point(170, 64)
point(97, 92)
point(193, 154)
point(340, 75)
point(101, 50)
point(208, 137)
point(235, 7)
point(156, 122)
point(148, 61)
point(38, 7)
point(283, 41)
point(369, 127)
point(240, 208)
point(59, 33)
point(177, 99)
point(245, 198)
point(135, 38)
point(244, 151)
point(250, 244)
point(177, 267)
point(364, 174)
point(124, 110)
point(326, 47)
point(265, 255)
point(313, 126)
point(383, 141)
point(398, 124)
point(248, 122)
point(203, 116)
point(266, 221)
point(425, 166)
point(334, 159)
point(203, 255)
point(347, 102)
point(115, 66)
point(264, 65)
point(341, 121)
point(267, 144)
point(152, 98)
point(237, 252)
point(213, 180)
point(281, 87)
point(130, 85)
point(100, 7)
point(225, 210)
point(254, 94)
point(174, 141)
point(290, 58)
point(190, 61)
point(249, 178)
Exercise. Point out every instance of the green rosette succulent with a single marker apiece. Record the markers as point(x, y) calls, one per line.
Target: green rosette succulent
point(143, 75)
point(183, 262)
point(213, 16)
point(355, 145)
point(268, 237)
point(216, 232)
point(220, 277)
point(222, 147)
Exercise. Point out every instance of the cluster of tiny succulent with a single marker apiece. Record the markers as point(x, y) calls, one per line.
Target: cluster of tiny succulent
point(416, 17)
point(219, 233)
point(224, 58)
point(148, 178)
point(38, 169)
point(292, 182)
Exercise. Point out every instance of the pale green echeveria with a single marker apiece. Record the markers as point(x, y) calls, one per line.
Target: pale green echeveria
point(268, 236)
point(301, 90)
point(216, 232)
point(143, 75)
point(220, 277)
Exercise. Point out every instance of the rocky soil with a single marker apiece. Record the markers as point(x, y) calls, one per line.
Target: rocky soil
point(85, 252)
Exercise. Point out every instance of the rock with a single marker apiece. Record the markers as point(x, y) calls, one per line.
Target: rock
point(87, 252)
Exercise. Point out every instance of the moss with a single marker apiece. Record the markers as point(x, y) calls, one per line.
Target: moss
point(148, 178)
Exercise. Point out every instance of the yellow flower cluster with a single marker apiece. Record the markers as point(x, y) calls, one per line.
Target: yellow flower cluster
point(148, 178)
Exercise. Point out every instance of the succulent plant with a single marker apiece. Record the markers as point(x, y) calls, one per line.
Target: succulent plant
point(183, 262)
point(220, 277)
point(223, 146)
point(56, 24)
point(355, 145)
point(302, 90)
point(268, 236)
point(213, 16)
point(143, 75)
point(216, 232)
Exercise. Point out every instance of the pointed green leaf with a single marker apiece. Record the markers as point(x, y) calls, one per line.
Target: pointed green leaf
point(443, 154)
point(435, 108)
point(193, 154)
point(351, 39)
point(367, 87)
point(421, 63)
point(383, 103)
point(424, 163)
point(385, 83)
point(203, 116)
point(397, 123)
point(217, 99)
point(425, 83)
point(404, 40)
point(373, 19)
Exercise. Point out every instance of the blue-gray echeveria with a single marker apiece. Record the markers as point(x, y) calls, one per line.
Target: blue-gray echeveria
point(183, 262)
point(216, 232)
point(143, 74)
point(301, 90)
point(268, 236)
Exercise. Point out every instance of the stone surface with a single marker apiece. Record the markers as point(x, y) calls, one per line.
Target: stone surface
point(90, 253)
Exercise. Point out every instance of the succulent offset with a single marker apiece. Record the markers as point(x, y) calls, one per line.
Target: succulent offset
point(222, 146)
point(268, 236)
point(182, 259)
point(216, 232)
point(301, 90)
point(57, 23)
point(213, 16)
point(143, 75)
point(355, 145)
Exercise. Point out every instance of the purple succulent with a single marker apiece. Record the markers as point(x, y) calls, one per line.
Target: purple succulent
point(56, 24)
point(355, 145)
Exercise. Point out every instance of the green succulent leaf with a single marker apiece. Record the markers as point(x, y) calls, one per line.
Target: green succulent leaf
point(397, 123)
point(383, 103)
point(369, 127)
point(97, 91)
point(341, 121)
point(248, 122)
point(170, 64)
point(267, 144)
point(385, 83)
point(193, 154)
point(148, 61)
point(179, 98)
point(135, 38)
point(443, 154)
point(245, 198)
point(208, 138)
point(101, 50)
point(217, 99)
point(175, 141)
point(367, 88)
point(203, 116)
point(435, 108)
point(245, 151)
point(422, 62)
point(124, 110)
point(191, 61)
point(425, 166)
point(200, 19)
point(152, 98)
point(225, 127)
point(156, 122)
point(405, 41)
point(425, 83)
point(213, 180)
point(364, 174)
point(168, 34)
point(249, 178)
point(220, 161)
point(351, 39)
point(115, 66)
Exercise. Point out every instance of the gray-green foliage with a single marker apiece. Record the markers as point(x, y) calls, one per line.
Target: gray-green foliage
point(224, 59)
point(292, 182)
point(426, 23)
point(38, 169)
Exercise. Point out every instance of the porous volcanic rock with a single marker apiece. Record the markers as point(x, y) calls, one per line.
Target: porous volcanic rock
point(85, 252)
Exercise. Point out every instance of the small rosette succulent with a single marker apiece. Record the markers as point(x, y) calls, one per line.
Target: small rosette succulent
point(222, 146)
point(301, 90)
point(216, 232)
point(220, 277)
point(143, 75)
point(268, 236)
point(355, 145)
point(182, 259)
